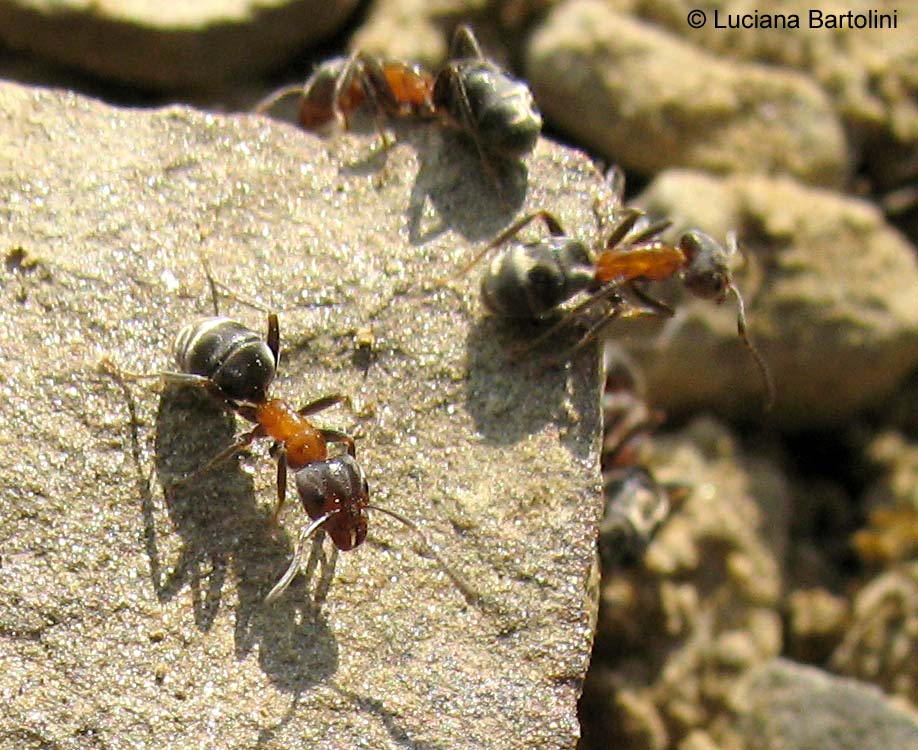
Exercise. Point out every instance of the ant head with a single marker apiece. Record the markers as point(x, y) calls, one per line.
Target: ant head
point(707, 274)
point(338, 487)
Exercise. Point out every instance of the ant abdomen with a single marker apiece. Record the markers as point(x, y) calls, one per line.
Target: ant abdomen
point(529, 281)
point(235, 358)
point(502, 108)
point(337, 487)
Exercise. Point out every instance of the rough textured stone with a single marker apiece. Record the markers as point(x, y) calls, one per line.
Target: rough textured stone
point(169, 45)
point(881, 643)
point(800, 708)
point(871, 75)
point(134, 617)
point(648, 100)
point(831, 293)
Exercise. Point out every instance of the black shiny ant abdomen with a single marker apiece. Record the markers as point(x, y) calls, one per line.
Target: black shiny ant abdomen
point(477, 96)
point(238, 361)
point(529, 281)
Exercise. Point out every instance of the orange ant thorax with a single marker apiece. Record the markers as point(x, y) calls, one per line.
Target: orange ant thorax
point(654, 261)
point(303, 443)
point(411, 85)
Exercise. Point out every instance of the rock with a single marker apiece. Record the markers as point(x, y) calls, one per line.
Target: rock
point(870, 74)
point(679, 629)
point(128, 611)
point(649, 101)
point(383, 32)
point(169, 45)
point(881, 643)
point(891, 535)
point(827, 280)
point(799, 708)
point(816, 621)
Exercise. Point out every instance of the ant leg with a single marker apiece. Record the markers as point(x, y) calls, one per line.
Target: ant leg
point(241, 443)
point(336, 436)
point(200, 381)
point(551, 222)
point(268, 102)
point(179, 378)
point(352, 66)
point(615, 179)
point(650, 231)
point(281, 586)
point(273, 337)
point(604, 293)
point(622, 230)
point(280, 455)
point(470, 594)
point(326, 402)
point(212, 283)
point(591, 334)
point(651, 303)
point(379, 94)
point(108, 367)
point(467, 125)
point(464, 44)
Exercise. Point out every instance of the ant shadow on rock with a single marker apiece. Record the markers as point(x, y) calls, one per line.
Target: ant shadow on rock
point(473, 198)
point(224, 532)
point(511, 398)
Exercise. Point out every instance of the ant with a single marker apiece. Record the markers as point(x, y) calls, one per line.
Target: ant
point(236, 366)
point(338, 87)
point(532, 280)
point(470, 93)
point(476, 96)
point(636, 504)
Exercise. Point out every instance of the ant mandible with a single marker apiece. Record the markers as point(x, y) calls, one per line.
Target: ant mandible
point(531, 280)
point(338, 87)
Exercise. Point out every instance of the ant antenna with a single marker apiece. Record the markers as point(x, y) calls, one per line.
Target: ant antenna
point(470, 594)
point(764, 372)
point(281, 586)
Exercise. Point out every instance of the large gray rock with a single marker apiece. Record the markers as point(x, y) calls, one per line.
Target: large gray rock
point(794, 707)
point(131, 611)
point(647, 100)
point(169, 45)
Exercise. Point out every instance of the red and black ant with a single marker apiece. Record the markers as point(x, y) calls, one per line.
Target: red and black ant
point(469, 92)
point(236, 366)
point(531, 280)
point(339, 87)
